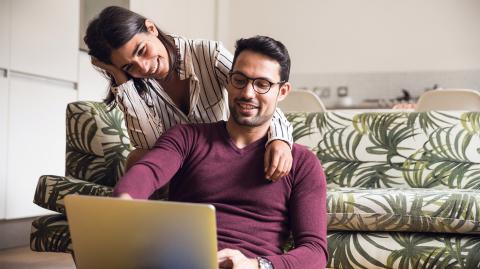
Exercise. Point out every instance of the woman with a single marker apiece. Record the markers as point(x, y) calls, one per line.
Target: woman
point(160, 80)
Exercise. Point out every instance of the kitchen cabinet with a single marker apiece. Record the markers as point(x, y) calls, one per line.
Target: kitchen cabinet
point(3, 141)
point(4, 34)
point(36, 139)
point(44, 38)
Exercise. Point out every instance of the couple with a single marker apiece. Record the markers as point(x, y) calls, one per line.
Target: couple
point(161, 82)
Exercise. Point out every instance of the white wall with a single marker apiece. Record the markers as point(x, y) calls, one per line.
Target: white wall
point(366, 36)
point(373, 47)
point(189, 18)
point(92, 85)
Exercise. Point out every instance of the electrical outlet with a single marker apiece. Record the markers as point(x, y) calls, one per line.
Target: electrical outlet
point(322, 91)
point(342, 91)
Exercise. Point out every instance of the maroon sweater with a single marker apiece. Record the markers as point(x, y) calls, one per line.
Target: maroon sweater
point(254, 216)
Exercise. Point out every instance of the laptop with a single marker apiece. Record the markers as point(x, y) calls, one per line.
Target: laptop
point(141, 234)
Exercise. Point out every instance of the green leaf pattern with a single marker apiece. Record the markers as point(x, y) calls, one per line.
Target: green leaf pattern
point(402, 187)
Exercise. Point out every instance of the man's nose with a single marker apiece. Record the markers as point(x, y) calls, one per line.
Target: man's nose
point(248, 90)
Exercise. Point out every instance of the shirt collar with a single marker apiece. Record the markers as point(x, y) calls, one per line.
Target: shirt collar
point(185, 63)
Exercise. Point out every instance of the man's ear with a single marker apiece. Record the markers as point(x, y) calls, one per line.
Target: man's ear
point(284, 91)
point(151, 28)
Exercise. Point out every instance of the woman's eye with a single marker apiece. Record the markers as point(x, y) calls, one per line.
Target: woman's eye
point(141, 51)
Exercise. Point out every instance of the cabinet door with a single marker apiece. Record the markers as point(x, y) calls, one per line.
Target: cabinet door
point(36, 145)
point(4, 33)
point(3, 142)
point(44, 37)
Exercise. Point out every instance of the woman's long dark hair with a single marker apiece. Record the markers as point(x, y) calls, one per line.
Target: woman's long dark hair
point(114, 27)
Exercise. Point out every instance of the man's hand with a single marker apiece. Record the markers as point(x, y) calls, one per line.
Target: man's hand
point(125, 196)
point(118, 75)
point(278, 160)
point(234, 259)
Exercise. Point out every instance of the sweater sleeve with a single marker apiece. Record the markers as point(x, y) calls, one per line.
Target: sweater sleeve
point(159, 165)
point(308, 217)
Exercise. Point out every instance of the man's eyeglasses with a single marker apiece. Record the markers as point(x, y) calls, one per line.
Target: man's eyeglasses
point(260, 85)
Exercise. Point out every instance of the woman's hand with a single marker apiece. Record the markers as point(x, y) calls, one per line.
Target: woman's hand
point(118, 75)
point(232, 258)
point(278, 160)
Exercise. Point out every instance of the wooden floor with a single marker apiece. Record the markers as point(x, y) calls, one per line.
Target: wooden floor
point(24, 258)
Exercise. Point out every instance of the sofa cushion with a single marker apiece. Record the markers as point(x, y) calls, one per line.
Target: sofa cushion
point(412, 210)
point(402, 250)
point(394, 149)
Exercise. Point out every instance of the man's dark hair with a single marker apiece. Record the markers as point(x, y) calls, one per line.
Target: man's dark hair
point(269, 47)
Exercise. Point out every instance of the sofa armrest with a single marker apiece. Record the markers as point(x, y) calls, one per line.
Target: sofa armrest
point(52, 189)
point(51, 234)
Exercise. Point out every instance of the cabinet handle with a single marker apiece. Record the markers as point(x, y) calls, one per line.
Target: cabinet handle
point(4, 72)
point(68, 83)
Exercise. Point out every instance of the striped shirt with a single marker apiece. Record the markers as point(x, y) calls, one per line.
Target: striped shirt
point(206, 64)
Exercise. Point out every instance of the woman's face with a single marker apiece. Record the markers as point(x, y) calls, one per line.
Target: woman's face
point(143, 56)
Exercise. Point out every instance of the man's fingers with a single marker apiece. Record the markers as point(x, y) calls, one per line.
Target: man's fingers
point(223, 259)
point(226, 253)
point(227, 258)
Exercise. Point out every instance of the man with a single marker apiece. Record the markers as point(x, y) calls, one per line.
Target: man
point(222, 164)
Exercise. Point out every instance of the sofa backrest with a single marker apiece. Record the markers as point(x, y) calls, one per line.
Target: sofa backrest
point(394, 149)
point(97, 143)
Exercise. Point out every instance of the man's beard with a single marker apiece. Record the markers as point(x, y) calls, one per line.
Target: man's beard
point(255, 121)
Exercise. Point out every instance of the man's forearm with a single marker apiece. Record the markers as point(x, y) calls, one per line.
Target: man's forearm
point(313, 256)
point(138, 183)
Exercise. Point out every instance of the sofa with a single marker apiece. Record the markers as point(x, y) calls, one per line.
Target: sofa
point(402, 186)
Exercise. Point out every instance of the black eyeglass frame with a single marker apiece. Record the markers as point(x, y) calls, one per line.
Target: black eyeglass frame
point(230, 74)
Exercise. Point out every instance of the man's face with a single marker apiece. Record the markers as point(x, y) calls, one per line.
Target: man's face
point(248, 107)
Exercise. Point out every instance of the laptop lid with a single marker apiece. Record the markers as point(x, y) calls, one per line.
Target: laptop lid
point(125, 234)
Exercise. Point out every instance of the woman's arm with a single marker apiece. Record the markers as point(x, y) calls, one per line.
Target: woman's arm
point(280, 128)
point(278, 155)
point(143, 128)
